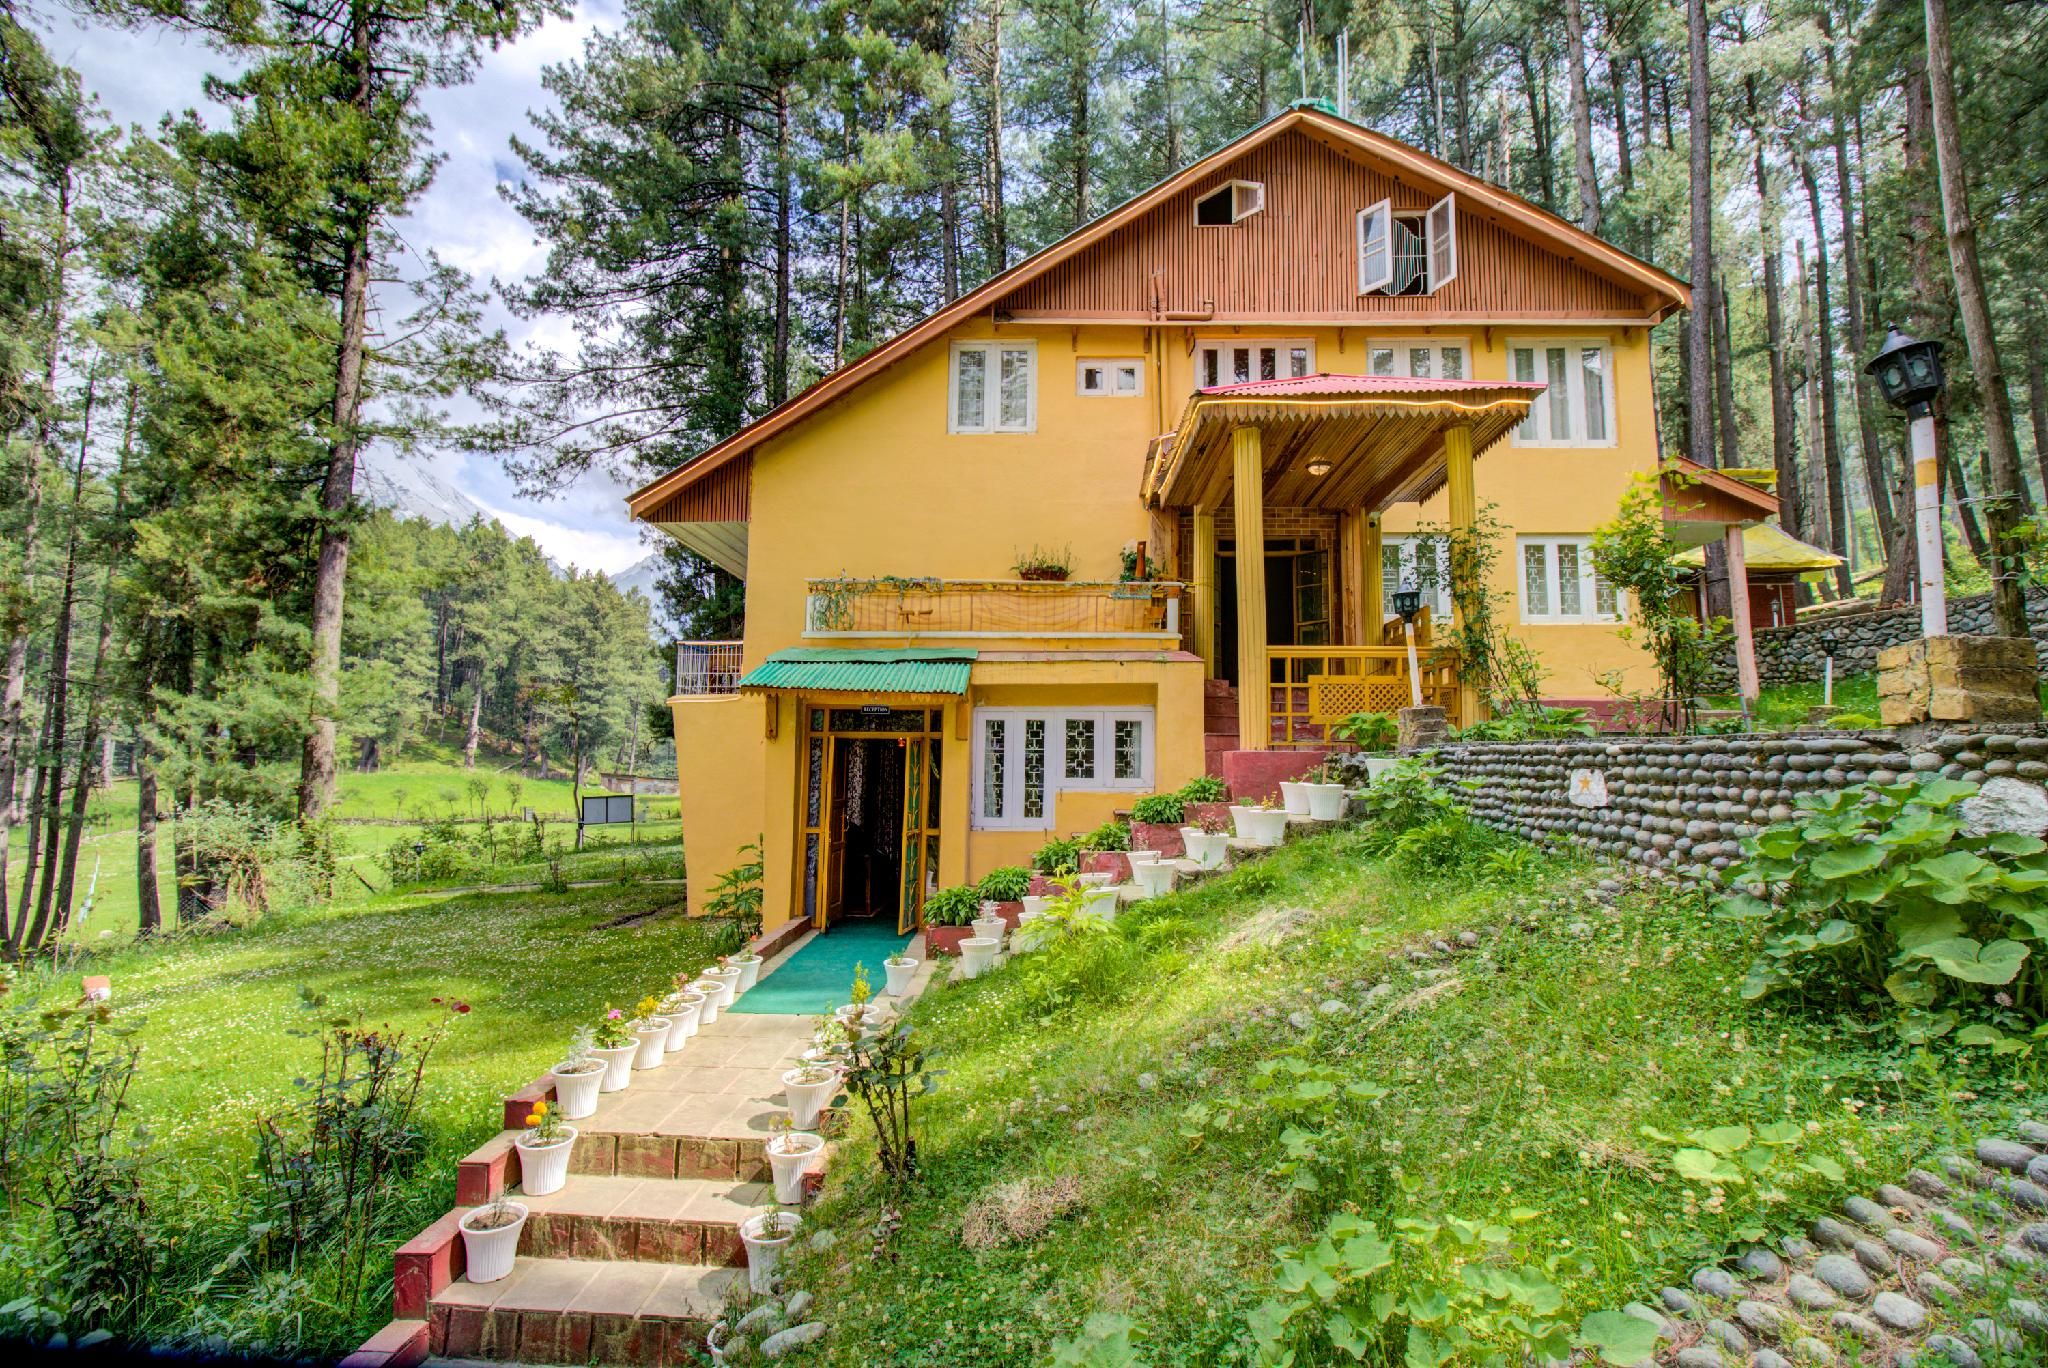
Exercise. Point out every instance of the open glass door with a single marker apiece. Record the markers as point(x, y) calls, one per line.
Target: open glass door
point(1312, 598)
point(910, 907)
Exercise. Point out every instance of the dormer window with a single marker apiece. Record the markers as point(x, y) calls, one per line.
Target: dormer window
point(1233, 203)
point(1407, 253)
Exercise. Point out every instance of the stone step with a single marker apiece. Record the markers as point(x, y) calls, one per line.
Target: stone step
point(642, 1220)
point(577, 1311)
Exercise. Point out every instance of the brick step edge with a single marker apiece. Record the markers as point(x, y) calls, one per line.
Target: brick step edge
point(400, 1344)
point(566, 1337)
point(670, 1156)
point(632, 1239)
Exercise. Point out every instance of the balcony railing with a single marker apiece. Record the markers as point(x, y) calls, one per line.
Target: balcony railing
point(1314, 687)
point(707, 667)
point(897, 608)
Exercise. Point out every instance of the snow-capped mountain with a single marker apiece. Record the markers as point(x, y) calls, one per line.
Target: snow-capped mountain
point(413, 491)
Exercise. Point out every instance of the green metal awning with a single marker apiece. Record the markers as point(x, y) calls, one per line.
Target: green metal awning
point(874, 671)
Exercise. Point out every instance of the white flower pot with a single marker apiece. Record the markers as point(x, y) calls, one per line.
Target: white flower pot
point(545, 1168)
point(806, 1100)
point(1294, 797)
point(1155, 880)
point(653, 1036)
point(899, 977)
point(1377, 765)
point(1034, 907)
point(1260, 826)
point(991, 928)
point(618, 1066)
point(708, 1013)
point(728, 981)
point(750, 971)
point(977, 953)
point(1204, 848)
point(488, 1254)
point(1097, 880)
point(681, 1011)
point(1325, 801)
point(765, 1243)
point(866, 1015)
point(576, 1093)
point(1141, 857)
point(1100, 902)
point(790, 1164)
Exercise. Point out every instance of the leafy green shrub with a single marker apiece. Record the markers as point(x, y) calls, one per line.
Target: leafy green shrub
point(1528, 724)
point(1160, 809)
point(1368, 731)
point(1877, 891)
point(955, 906)
point(1111, 835)
point(1204, 788)
point(1054, 856)
point(1006, 884)
point(739, 891)
point(1407, 795)
point(1443, 845)
point(1854, 721)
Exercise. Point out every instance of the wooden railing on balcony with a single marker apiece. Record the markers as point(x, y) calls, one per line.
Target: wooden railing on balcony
point(1072, 609)
point(707, 667)
point(1314, 687)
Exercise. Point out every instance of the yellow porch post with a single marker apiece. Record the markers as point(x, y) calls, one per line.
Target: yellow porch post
point(1372, 588)
point(1464, 510)
point(1202, 579)
point(1248, 498)
point(1350, 578)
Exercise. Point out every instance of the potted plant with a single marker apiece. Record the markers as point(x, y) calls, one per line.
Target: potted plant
point(1262, 822)
point(727, 977)
point(948, 919)
point(544, 1151)
point(749, 965)
point(1375, 735)
point(681, 1008)
point(1204, 796)
point(1208, 841)
point(1104, 851)
point(791, 1153)
point(1155, 878)
point(577, 1077)
point(765, 1237)
point(1006, 886)
point(978, 953)
point(1155, 824)
point(1294, 797)
point(707, 1010)
point(805, 1091)
point(1325, 796)
point(650, 1029)
point(1040, 564)
point(490, 1239)
point(1100, 900)
point(990, 923)
point(900, 969)
point(616, 1047)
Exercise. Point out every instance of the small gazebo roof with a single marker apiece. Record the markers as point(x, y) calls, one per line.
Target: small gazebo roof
point(1768, 549)
point(1381, 436)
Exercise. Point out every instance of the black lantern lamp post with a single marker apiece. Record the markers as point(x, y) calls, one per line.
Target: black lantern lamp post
point(1408, 602)
point(1908, 373)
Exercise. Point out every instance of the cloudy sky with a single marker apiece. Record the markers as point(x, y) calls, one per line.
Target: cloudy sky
point(139, 76)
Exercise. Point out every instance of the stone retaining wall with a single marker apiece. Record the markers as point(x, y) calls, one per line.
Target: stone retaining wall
point(1797, 654)
point(1689, 800)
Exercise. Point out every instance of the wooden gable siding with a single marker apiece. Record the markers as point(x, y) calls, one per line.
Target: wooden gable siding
point(1296, 259)
point(723, 495)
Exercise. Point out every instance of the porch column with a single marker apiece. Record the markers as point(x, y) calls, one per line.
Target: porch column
point(1248, 499)
point(1202, 580)
point(1351, 578)
point(1464, 510)
point(1738, 605)
point(1372, 590)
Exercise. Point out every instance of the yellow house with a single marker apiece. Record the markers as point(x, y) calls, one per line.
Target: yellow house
point(1312, 342)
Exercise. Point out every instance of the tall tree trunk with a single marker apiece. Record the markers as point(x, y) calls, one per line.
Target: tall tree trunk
point(473, 734)
point(1824, 329)
point(1617, 81)
point(1539, 136)
point(1461, 83)
point(998, 228)
point(2037, 401)
point(1783, 460)
point(1819, 498)
point(1700, 321)
point(1724, 379)
point(1582, 116)
point(778, 364)
point(2008, 601)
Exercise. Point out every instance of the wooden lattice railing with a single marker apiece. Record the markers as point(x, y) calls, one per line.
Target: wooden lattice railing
point(899, 608)
point(1313, 687)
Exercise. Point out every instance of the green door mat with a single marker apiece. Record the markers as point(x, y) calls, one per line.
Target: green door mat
point(819, 976)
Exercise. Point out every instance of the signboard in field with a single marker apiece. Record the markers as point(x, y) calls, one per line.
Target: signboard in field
point(605, 809)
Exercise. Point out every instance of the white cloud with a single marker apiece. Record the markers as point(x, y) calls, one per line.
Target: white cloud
point(584, 548)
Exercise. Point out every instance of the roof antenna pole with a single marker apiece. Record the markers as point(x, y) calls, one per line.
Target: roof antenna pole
point(1344, 74)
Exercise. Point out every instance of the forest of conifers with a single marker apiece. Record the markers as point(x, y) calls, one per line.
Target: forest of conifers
point(203, 325)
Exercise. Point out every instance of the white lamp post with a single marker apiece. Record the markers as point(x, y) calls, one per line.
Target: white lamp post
point(1908, 371)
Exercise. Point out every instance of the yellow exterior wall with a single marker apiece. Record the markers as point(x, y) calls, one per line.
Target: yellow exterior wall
point(719, 755)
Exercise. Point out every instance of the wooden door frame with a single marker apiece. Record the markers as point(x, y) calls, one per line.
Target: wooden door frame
point(934, 734)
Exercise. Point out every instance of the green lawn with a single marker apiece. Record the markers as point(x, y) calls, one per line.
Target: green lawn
point(1519, 1079)
point(1786, 705)
point(225, 1034)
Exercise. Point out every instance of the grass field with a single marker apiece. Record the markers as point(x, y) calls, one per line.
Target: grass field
point(1786, 705)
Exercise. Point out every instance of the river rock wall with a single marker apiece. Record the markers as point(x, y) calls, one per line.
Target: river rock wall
point(1681, 801)
point(1798, 654)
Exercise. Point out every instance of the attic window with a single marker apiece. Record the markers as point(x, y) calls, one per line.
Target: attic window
point(1232, 203)
point(1407, 253)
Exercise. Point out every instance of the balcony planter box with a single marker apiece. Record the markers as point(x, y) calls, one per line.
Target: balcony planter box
point(1156, 836)
point(1044, 574)
point(1106, 862)
point(945, 940)
point(1197, 813)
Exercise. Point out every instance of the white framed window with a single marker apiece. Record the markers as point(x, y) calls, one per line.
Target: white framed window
point(1427, 358)
point(1228, 204)
point(1576, 407)
point(1024, 757)
point(1234, 361)
point(1559, 584)
point(993, 387)
point(1108, 377)
point(1405, 252)
point(1402, 566)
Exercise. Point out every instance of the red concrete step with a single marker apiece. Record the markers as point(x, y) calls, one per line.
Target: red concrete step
point(577, 1311)
point(400, 1344)
point(642, 1220)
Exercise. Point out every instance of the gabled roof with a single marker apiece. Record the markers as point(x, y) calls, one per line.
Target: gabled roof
point(1666, 290)
point(1768, 547)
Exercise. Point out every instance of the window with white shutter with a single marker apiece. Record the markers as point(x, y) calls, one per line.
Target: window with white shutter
point(993, 387)
point(1559, 584)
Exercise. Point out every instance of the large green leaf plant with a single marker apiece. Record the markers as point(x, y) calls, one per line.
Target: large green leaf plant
point(1879, 894)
